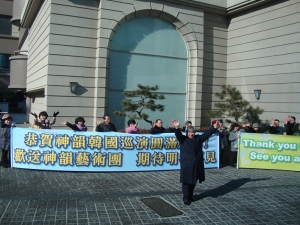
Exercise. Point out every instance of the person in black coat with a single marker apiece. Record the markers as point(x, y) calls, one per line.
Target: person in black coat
point(191, 158)
point(5, 134)
point(157, 127)
point(106, 126)
point(290, 125)
point(274, 128)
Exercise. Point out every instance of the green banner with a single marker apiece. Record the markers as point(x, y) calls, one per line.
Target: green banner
point(267, 151)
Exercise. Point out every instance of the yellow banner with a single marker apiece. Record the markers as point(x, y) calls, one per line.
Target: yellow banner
point(267, 151)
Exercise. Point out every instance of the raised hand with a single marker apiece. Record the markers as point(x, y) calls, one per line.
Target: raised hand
point(34, 114)
point(272, 122)
point(98, 121)
point(176, 123)
point(55, 114)
point(217, 124)
point(63, 123)
point(5, 116)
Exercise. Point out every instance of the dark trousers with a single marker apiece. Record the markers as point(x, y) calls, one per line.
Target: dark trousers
point(5, 159)
point(221, 156)
point(187, 191)
point(233, 158)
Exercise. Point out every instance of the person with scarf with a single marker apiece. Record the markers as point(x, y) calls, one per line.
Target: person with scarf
point(42, 121)
point(157, 127)
point(78, 126)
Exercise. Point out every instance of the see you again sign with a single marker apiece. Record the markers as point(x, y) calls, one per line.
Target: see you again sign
point(267, 151)
point(67, 150)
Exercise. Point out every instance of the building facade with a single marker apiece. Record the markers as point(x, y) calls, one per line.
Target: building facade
point(8, 40)
point(12, 62)
point(187, 48)
point(8, 44)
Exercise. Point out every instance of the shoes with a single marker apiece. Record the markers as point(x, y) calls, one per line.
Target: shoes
point(7, 166)
point(192, 199)
point(186, 202)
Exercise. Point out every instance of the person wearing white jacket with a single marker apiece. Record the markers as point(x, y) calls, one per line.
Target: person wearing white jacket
point(234, 136)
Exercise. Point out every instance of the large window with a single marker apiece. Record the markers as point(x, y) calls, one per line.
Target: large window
point(151, 52)
point(4, 63)
point(5, 25)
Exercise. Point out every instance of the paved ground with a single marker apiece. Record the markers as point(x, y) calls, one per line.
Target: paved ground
point(228, 196)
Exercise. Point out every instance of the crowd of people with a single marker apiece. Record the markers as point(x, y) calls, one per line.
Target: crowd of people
point(191, 154)
point(105, 125)
point(291, 127)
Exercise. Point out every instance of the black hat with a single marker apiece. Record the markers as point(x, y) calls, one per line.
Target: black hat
point(187, 121)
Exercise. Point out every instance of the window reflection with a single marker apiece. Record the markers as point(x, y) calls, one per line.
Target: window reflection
point(5, 25)
point(151, 52)
point(4, 63)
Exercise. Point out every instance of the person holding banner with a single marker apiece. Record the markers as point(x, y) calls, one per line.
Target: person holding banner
point(191, 158)
point(223, 144)
point(234, 136)
point(6, 124)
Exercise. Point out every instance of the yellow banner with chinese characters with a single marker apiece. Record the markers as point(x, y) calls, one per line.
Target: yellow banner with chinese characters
point(267, 151)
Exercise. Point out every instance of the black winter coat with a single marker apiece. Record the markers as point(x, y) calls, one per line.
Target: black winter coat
point(103, 127)
point(191, 156)
point(5, 137)
point(291, 128)
point(157, 130)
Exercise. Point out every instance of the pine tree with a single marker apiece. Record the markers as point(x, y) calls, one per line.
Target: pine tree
point(138, 100)
point(233, 105)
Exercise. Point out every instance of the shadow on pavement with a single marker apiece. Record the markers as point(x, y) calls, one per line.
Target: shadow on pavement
point(226, 188)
